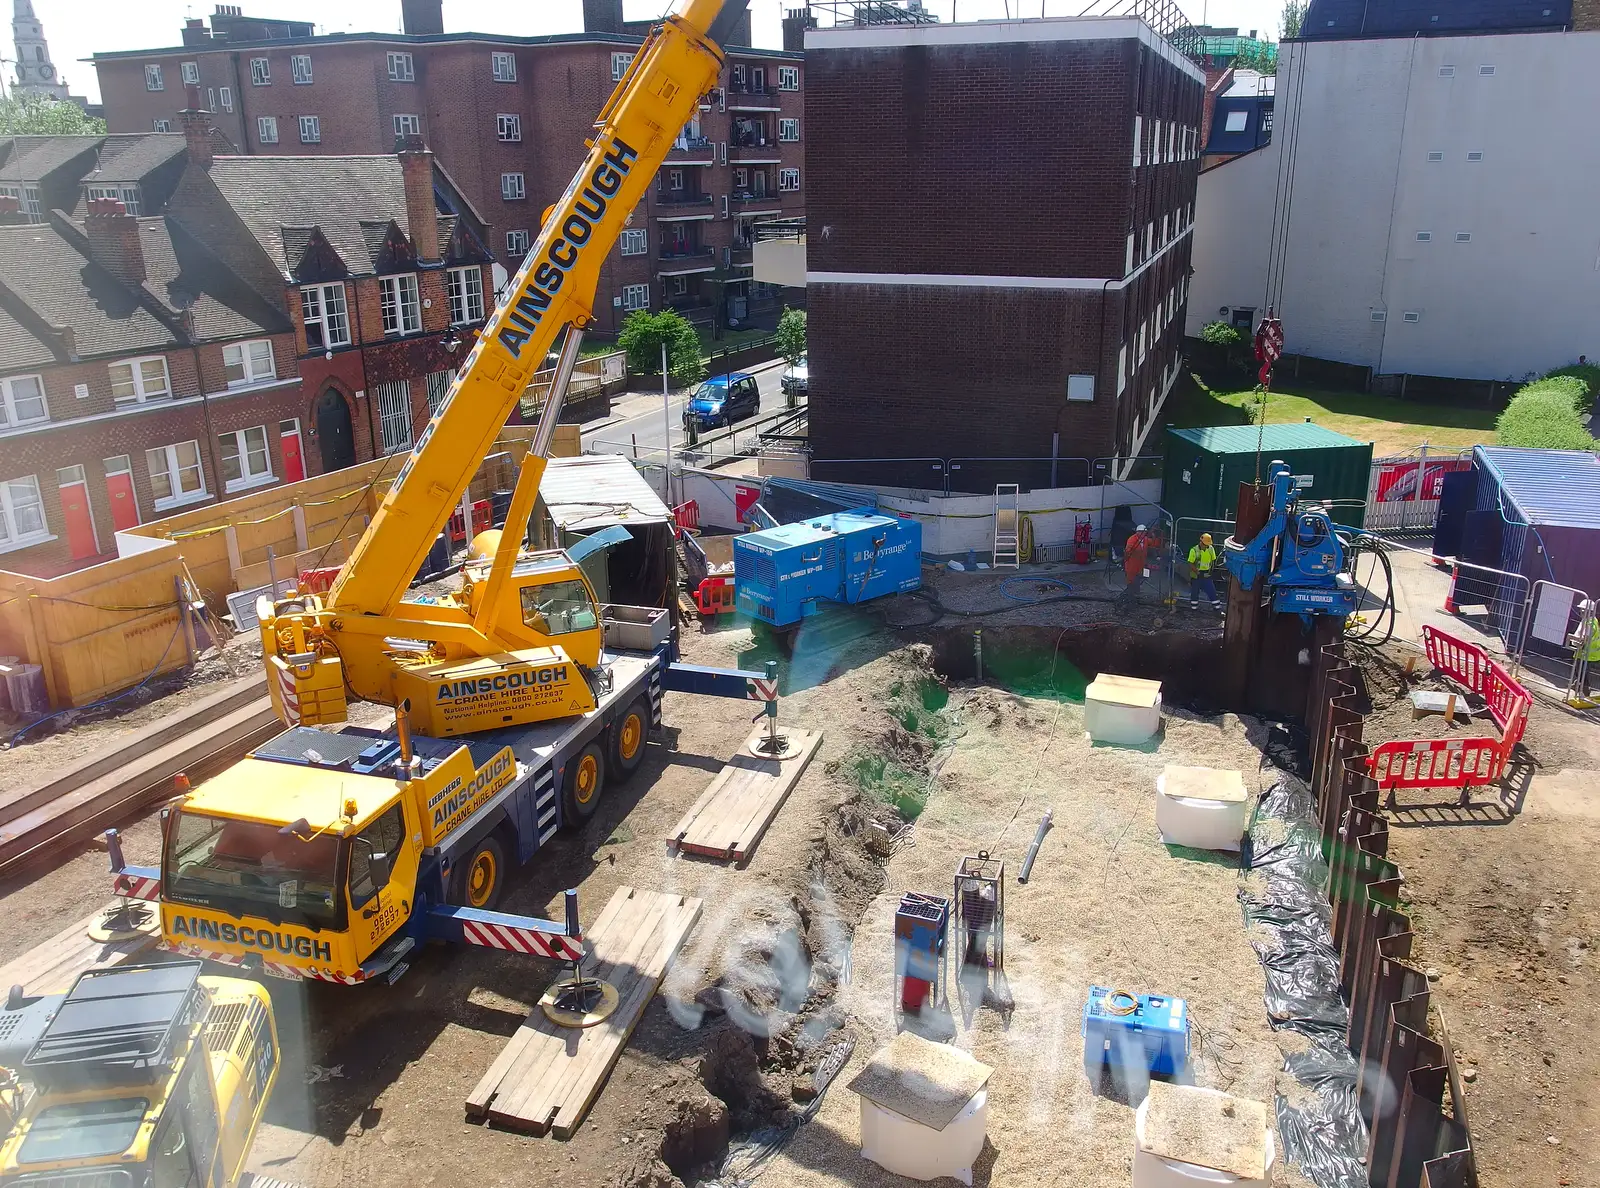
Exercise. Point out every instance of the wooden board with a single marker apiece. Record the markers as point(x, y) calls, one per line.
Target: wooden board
point(732, 814)
point(53, 966)
point(1135, 692)
point(1207, 1128)
point(1204, 783)
point(547, 1076)
point(930, 1083)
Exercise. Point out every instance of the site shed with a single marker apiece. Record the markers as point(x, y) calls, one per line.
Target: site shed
point(1204, 467)
point(582, 495)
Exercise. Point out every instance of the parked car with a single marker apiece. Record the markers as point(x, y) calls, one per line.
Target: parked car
point(723, 400)
point(794, 378)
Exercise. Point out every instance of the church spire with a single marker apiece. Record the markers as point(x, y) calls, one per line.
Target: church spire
point(36, 74)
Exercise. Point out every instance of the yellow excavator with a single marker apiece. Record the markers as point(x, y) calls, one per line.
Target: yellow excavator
point(147, 1076)
point(334, 854)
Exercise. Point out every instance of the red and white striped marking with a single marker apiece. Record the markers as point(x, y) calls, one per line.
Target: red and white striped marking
point(760, 689)
point(522, 940)
point(137, 887)
point(274, 968)
point(289, 692)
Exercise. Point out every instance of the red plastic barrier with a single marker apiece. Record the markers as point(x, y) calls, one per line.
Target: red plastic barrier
point(1509, 704)
point(318, 581)
point(714, 596)
point(1440, 763)
point(482, 517)
point(1459, 660)
point(687, 515)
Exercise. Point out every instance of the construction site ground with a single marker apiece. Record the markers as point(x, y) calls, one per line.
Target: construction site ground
point(794, 954)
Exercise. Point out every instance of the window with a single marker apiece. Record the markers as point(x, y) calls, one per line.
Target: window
point(736, 76)
point(22, 521)
point(558, 608)
point(394, 415)
point(226, 95)
point(1236, 121)
point(1379, 315)
point(300, 69)
point(1463, 236)
point(211, 98)
point(310, 130)
point(1424, 236)
point(635, 297)
point(1138, 128)
point(438, 388)
point(260, 72)
point(175, 473)
point(675, 178)
point(152, 78)
point(22, 401)
point(1447, 72)
point(400, 68)
point(1436, 156)
point(788, 179)
point(512, 187)
point(516, 244)
point(1477, 156)
point(464, 286)
point(267, 129)
point(1485, 70)
point(758, 80)
point(788, 78)
point(635, 241)
point(161, 125)
point(407, 125)
point(326, 319)
point(503, 67)
point(383, 837)
point(246, 461)
point(248, 363)
point(1411, 315)
point(1266, 120)
point(190, 71)
point(402, 313)
point(139, 380)
point(788, 129)
point(508, 127)
point(619, 66)
point(679, 285)
point(1080, 387)
point(1122, 368)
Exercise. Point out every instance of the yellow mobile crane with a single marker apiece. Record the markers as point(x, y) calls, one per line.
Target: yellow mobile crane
point(138, 1077)
point(333, 854)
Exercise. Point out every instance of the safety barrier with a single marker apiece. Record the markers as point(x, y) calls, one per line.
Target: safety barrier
point(687, 516)
point(482, 517)
point(1555, 614)
point(714, 596)
point(1408, 1070)
point(318, 581)
point(1459, 660)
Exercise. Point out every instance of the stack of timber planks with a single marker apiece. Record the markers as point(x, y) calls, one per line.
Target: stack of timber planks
point(733, 813)
point(548, 1076)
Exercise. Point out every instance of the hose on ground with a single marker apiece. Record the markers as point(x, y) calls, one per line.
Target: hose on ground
point(1363, 635)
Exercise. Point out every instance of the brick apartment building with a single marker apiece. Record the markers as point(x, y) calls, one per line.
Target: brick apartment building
point(507, 117)
point(279, 318)
point(1007, 205)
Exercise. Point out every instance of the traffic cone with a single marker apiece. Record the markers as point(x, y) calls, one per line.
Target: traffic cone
point(1450, 598)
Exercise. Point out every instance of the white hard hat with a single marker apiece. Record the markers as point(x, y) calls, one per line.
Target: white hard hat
point(1140, 528)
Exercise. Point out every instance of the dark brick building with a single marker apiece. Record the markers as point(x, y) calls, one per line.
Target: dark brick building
point(507, 117)
point(999, 230)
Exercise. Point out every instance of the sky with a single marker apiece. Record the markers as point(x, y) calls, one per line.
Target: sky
point(77, 29)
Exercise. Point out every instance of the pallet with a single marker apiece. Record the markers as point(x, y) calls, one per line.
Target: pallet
point(733, 813)
point(547, 1076)
point(75, 813)
point(53, 966)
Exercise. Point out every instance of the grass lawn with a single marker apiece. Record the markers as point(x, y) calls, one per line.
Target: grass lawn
point(1393, 426)
point(731, 340)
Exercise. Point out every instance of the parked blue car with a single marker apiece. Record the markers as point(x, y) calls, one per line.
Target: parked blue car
point(723, 400)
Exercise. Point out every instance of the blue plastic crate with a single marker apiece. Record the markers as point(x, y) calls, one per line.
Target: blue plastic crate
point(1124, 1030)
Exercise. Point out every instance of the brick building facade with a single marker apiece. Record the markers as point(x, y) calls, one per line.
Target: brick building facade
point(507, 117)
point(1007, 205)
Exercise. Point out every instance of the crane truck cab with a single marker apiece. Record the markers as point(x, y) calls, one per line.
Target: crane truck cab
point(147, 1076)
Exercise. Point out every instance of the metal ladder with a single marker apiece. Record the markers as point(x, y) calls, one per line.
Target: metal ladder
point(1006, 553)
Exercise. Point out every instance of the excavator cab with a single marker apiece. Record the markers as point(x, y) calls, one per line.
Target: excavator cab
point(140, 1076)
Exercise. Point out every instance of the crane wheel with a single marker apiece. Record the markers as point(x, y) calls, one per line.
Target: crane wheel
point(481, 876)
point(628, 736)
point(579, 1002)
point(586, 779)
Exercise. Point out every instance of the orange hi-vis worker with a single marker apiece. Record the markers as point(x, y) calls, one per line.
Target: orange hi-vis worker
point(1136, 558)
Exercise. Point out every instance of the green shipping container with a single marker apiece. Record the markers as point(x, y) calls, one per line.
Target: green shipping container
point(1204, 467)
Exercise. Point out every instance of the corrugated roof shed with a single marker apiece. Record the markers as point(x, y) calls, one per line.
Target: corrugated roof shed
point(1556, 488)
point(1243, 439)
point(595, 490)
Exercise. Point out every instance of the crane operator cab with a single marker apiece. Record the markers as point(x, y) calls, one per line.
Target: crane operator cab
point(138, 1077)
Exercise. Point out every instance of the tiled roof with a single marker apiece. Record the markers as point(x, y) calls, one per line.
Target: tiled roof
point(183, 275)
point(131, 157)
point(1342, 19)
point(342, 195)
point(20, 350)
point(30, 158)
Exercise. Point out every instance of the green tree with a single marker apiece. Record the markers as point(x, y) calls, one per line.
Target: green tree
point(644, 333)
point(1545, 415)
point(1294, 15)
point(792, 334)
point(38, 115)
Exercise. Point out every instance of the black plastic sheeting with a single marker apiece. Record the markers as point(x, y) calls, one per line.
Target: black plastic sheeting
point(1322, 1131)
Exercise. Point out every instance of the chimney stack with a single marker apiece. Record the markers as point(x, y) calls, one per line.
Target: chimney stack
point(602, 16)
point(196, 122)
point(194, 32)
point(795, 23)
point(11, 211)
point(422, 215)
point(114, 241)
point(422, 16)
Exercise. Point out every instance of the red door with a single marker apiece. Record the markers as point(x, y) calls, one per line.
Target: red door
point(124, 506)
point(79, 521)
point(294, 466)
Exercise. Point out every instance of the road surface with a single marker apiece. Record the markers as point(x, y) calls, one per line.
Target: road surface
point(636, 420)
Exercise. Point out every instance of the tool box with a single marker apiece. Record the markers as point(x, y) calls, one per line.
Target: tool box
point(1126, 1030)
point(921, 925)
point(782, 573)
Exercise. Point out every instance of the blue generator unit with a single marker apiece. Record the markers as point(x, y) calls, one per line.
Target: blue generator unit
point(781, 574)
point(1135, 1031)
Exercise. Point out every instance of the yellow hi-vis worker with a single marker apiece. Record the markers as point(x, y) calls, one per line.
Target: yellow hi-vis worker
point(1201, 560)
point(1589, 648)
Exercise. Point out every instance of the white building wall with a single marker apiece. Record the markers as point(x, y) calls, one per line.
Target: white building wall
point(1357, 120)
point(1232, 215)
